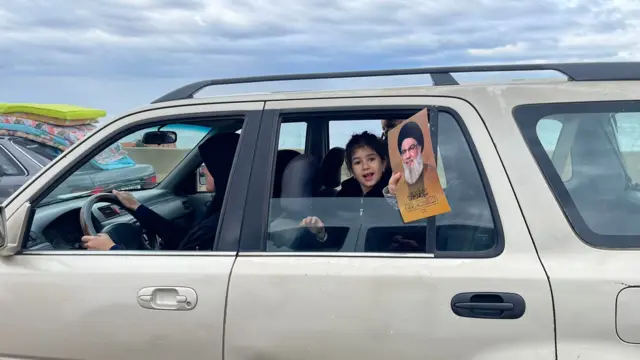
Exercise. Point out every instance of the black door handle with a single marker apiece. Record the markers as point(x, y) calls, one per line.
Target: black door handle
point(488, 305)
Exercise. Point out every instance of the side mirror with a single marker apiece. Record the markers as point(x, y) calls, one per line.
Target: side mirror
point(159, 138)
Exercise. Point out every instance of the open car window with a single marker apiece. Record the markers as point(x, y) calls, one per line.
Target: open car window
point(129, 164)
point(312, 185)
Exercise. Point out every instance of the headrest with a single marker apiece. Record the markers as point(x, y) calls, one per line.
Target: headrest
point(283, 158)
point(300, 178)
point(331, 168)
point(300, 183)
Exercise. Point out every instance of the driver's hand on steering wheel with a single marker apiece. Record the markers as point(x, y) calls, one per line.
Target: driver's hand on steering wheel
point(128, 200)
point(98, 242)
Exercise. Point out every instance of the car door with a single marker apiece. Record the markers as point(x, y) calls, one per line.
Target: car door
point(443, 301)
point(79, 304)
point(581, 198)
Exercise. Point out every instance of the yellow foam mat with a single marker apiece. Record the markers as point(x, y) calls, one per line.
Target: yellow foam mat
point(67, 113)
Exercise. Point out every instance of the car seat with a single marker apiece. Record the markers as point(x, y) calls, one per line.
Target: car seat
point(300, 184)
point(331, 172)
point(283, 158)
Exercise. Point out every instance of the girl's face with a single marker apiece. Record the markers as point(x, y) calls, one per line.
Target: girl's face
point(367, 167)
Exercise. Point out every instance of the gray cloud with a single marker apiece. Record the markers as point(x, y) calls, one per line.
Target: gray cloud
point(127, 41)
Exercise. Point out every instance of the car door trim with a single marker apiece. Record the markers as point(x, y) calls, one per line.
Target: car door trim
point(124, 252)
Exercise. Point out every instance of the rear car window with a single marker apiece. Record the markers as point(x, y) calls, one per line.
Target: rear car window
point(8, 165)
point(589, 154)
point(45, 153)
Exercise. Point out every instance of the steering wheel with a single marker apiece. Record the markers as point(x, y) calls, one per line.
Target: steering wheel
point(125, 234)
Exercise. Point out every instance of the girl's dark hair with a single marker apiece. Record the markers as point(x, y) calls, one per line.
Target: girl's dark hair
point(364, 139)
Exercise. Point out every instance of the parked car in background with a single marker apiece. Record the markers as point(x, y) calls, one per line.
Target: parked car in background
point(21, 158)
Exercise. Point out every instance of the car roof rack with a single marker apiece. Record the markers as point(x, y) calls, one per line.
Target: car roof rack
point(585, 71)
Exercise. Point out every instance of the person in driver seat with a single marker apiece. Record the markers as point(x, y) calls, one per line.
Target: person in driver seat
point(217, 153)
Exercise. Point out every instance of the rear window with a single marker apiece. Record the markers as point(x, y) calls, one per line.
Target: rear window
point(589, 154)
point(47, 153)
point(8, 165)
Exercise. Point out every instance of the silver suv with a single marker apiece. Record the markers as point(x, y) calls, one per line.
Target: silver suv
point(537, 259)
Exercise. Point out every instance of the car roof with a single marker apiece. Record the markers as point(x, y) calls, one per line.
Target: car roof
point(581, 82)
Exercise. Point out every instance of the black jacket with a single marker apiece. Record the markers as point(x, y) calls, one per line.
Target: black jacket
point(350, 188)
point(217, 153)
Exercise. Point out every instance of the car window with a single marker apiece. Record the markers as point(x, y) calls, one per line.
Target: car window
point(293, 136)
point(165, 225)
point(601, 197)
point(43, 154)
point(549, 131)
point(128, 164)
point(627, 133)
point(372, 224)
point(8, 164)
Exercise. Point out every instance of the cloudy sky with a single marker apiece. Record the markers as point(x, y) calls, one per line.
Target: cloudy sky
point(120, 54)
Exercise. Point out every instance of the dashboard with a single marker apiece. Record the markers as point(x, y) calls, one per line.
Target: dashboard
point(57, 226)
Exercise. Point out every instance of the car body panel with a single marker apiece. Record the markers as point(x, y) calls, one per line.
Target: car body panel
point(94, 311)
point(377, 306)
point(85, 307)
point(585, 280)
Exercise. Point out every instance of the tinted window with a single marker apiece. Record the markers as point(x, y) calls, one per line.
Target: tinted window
point(371, 224)
point(44, 154)
point(44, 151)
point(601, 197)
point(549, 131)
point(9, 166)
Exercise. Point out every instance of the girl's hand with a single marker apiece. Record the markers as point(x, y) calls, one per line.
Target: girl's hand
point(393, 183)
point(314, 225)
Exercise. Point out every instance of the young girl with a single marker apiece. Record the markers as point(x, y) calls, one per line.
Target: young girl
point(367, 161)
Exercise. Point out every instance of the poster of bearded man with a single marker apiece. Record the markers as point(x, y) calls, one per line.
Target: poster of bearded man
point(418, 192)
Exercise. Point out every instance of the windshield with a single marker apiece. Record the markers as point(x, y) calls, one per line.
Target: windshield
point(127, 164)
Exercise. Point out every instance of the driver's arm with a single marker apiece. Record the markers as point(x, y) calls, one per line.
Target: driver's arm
point(99, 242)
point(170, 233)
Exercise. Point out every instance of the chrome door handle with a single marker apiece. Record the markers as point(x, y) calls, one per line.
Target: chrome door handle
point(168, 298)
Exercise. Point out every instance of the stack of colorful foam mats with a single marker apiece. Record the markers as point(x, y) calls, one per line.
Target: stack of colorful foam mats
point(59, 126)
point(55, 125)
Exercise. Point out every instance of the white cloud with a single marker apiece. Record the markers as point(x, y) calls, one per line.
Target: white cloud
point(132, 51)
point(517, 48)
